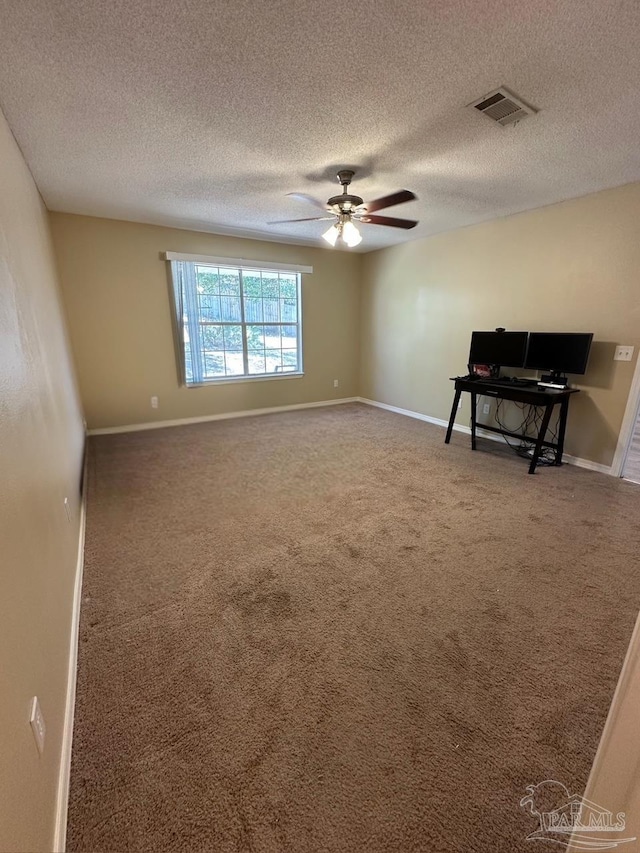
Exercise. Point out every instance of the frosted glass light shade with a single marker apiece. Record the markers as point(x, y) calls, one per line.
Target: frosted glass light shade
point(331, 235)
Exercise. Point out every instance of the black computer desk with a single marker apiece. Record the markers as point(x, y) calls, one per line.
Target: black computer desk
point(545, 397)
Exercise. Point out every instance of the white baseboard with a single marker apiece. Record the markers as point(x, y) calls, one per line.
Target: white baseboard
point(62, 797)
point(571, 460)
point(588, 464)
point(409, 413)
point(248, 413)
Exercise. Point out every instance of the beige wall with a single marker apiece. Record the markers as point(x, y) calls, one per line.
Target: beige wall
point(41, 440)
point(573, 266)
point(117, 301)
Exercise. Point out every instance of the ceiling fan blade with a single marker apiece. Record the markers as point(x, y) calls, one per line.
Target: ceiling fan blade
point(309, 198)
point(306, 219)
point(388, 220)
point(389, 200)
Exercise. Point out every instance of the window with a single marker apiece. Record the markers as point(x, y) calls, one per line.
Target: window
point(235, 321)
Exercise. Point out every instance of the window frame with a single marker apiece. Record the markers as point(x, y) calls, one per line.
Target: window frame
point(241, 267)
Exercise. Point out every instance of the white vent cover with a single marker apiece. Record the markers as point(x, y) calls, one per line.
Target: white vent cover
point(503, 107)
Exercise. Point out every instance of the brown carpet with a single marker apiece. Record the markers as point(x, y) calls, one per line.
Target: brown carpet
point(327, 631)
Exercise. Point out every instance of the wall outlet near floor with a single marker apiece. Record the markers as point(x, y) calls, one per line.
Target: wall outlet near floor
point(36, 720)
point(486, 408)
point(336, 382)
point(154, 402)
point(623, 353)
point(459, 404)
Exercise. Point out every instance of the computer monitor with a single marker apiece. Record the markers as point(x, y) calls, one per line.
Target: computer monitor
point(504, 349)
point(559, 352)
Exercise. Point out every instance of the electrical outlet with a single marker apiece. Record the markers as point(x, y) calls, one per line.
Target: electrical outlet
point(67, 509)
point(459, 404)
point(38, 727)
point(336, 383)
point(623, 353)
point(486, 408)
point(154, 402)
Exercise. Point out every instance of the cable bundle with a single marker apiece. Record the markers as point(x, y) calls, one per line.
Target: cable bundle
point(531, 420)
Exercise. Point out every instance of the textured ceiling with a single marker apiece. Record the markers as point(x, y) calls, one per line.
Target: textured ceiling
point(203, 113)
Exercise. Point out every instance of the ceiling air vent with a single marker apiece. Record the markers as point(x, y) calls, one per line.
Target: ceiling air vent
point(503, 107)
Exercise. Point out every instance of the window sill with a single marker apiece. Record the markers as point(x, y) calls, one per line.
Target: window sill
point(232, 380)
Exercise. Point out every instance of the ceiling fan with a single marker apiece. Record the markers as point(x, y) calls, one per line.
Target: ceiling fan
point(346, 209)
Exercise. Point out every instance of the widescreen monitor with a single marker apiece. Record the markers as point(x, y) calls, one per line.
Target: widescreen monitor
point(560, 352)
point(506, 349)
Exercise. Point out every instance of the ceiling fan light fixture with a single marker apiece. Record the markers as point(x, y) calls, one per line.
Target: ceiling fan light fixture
point(350, 234)
point(332, 234)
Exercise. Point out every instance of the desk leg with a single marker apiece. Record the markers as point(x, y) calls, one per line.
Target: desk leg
point(474, 406)
point(543, 431)
point(564, 411)
point(454, 410)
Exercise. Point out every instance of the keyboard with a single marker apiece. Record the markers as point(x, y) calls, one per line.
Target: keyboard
point(514, 383)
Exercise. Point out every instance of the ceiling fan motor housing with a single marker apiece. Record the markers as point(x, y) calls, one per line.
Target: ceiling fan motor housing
point(344, 203)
